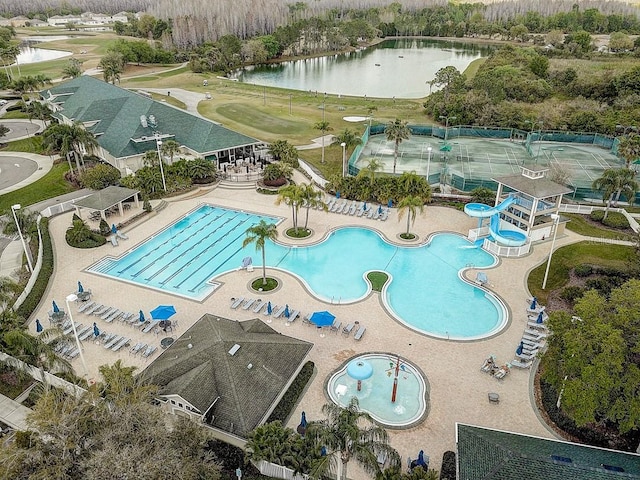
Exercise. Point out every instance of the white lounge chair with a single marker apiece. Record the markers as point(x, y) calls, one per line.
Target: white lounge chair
point(279, 312)
point(360, 332)
point(348, 329)
point(85, 306)
point(248, 304)
point(258, 306)
point(502, 371)
point(235, 302)
point(520, 363)
point(335, 326)
point(292, 317)
point(371, 211)
point(535, 333)
point(120, 344)
point(384, 215)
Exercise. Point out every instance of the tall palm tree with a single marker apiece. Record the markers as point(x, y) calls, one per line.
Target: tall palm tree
point(311, 198)
point(291, 195)
point(348, 137)
point(616, 182)
point(324, 127)
point(170, 147)
point(150, 158)
point(348, 433)
point(410, 205)
point(259, 234)
point(396, 132)
point(629, 148)
point(70, 138)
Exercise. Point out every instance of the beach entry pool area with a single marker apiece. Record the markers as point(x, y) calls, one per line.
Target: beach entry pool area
point(389, 388)
point(426, 292)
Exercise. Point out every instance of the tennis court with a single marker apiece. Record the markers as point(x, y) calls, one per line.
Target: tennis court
point(466, 162)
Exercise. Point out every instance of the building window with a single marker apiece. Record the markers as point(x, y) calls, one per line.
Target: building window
point(173, 402)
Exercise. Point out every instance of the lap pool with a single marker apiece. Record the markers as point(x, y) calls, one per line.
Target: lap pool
point(426, 291)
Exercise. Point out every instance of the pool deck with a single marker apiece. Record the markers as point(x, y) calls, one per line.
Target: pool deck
point(458, 387)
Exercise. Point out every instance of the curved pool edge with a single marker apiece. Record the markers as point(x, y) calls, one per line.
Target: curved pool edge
point(427, 387)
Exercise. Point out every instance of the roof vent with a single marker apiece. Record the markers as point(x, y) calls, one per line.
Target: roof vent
point(152, 120)
point(612, 468)
point(234, 349)
point(143, 121)
point(190, 346)
point(561, 459)
point(250, 366)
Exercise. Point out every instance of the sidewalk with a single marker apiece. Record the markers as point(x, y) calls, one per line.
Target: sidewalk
point(13, 414)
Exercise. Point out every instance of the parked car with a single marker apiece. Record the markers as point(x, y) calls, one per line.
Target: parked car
point(3, 103)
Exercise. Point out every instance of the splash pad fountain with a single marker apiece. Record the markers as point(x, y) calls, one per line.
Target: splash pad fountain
point(393, 391)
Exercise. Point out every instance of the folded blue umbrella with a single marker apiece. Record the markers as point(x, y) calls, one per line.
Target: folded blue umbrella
point(114, 229)
point(38, 326)
point(56, 309)
point(519, 349)
point(141, 317)
point(80, 287)
point(96, 330)
point(534, 303)
point(540, 319)
point(286, 311)
point(269, 308)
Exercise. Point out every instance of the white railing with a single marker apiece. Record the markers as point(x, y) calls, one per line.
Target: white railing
point(315, 178)
point(476, 233)
point(59, 208)
point(278, 471)
point(587, 209)
point(504, 251)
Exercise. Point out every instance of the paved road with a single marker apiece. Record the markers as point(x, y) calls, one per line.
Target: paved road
point(14, 169)
point(20, 129)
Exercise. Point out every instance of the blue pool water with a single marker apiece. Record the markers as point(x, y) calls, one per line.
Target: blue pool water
point(426, 292)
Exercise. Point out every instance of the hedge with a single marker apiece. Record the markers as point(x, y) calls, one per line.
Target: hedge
point(448, 469)
point(46, 273)
point(93, 241)
point(290, 399)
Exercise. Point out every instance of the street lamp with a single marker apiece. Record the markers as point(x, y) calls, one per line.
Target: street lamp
point(446, 125)
point(344, 157)
point(158, 145)
point(72, 298)
point(15, 207)
point(428, 161)
point(556, 218)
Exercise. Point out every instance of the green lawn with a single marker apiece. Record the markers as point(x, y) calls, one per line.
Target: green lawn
point(377, 279)
point(473, 68)
point(49, 186)
point(29, 145)
point(14, 114)
point(579, 224)
point(565, 258)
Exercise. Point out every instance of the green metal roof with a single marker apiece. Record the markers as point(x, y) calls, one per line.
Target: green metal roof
point(106, 198)
point(118, 111)
point(486, 454)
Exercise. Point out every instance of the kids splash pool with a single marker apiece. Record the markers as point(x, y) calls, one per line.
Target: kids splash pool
point(426, 291)
point(396, 393)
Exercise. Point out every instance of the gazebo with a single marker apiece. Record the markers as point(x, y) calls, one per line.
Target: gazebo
point(107, 198)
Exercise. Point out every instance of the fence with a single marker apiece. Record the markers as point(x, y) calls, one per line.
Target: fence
point(587, 209)
point(278, 471)
point(59, 208)
point(313, 174)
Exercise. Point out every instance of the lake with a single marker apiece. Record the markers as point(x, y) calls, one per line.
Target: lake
point(32, 55)
point(400, 68)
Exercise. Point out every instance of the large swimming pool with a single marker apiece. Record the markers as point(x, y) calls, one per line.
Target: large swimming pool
point(426, 292)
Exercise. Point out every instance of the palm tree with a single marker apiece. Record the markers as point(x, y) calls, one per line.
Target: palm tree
point(410, 205)
point(348, 137)
point(397, 131)
point(410, 183)
point(324, 127)
point(291, 195)
point(150, 158)
point(629, 148)
point(78, 232)
point(311, 198)
point(370, 170)
point(200, 168)
point(170, 147)
point(616, 182)
point(349, 433)
point(69, 138)
point(259, 234)
point(73, 69)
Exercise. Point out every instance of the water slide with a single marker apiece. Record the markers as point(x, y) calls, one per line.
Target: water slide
point(509, 238)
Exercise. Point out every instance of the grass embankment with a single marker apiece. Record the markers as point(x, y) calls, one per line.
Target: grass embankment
point(377, 279)
point(566, 258)
point(579, 224)
point(473, 68)
point(49, 186)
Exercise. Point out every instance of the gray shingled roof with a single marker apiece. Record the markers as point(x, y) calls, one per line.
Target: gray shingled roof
point(106, 198)
point(205, 371)
point(118, 111)
point(539, 188)
point(486, 454)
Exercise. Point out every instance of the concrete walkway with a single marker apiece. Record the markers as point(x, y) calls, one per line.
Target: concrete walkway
point(13, 413)
point(190, 99)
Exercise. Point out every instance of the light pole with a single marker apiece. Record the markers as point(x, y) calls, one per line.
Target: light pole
point(446, 125)
point(539, 124)
point(344, 157)
point(556, 219)
point(158, 145)
point(15, 207)
point(72, 298)
point(428, 161)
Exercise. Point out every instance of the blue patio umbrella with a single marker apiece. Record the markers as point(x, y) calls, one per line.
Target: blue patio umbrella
point(141, 317)
point(56, 309)
point(519, 349)
point(269, 308)
point(337, 194)
point(302, 427)
point(38, 326)
point(390, 203)
point(379, 209)
point(80, 287)
point(322, 319)
point(534, 303)
point(540, 319)
point(286, 311)
point(323, 451)
point(163, 312)
point(364, 206)
point(303, 420)
point(96, 330)
point(420, 461)
point(114, 229)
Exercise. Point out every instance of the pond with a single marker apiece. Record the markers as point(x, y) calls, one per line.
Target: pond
point(398, 68)
point(30, 54)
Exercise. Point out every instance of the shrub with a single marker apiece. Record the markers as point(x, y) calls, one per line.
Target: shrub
point(23, 439)
point(616, 220)
point(448, 469)
point(290, 399)
point(105, 229)
point(146, 204)
point(572, 294)
point(597, 215)
point(583, 270)
point(99, 177)
point(92, 240)
point(46, 272)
